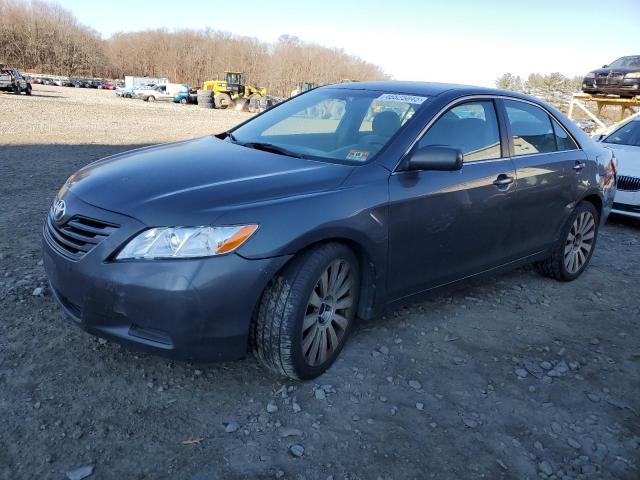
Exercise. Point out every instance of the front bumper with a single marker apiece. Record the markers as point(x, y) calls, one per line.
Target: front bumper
point(627, 203)
point(627, 86)
point(195, 310)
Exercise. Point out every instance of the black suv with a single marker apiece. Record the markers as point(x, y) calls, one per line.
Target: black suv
point(621, 77)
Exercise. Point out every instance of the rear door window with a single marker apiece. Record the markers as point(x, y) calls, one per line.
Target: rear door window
point(531, 128)
point(471, 127)
point(563, 140)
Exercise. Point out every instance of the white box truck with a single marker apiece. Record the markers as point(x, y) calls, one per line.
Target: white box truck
point(131, 81)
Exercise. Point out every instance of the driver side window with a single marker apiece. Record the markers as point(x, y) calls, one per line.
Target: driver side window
point(471, 127)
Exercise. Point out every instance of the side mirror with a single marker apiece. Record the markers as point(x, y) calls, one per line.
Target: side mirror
point(605, 66)
point(435, 157)
point(599, 137)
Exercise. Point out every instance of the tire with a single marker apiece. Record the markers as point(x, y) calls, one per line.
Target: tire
point(205, 102)
point(254, 103)
point(16, 89)
point(297, 331)
point(573, 250)
point(27, 90)
point(150, 98)
point(183, 101)
point(222, 100)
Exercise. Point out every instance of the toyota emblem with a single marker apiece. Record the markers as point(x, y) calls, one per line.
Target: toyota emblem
point(59, 209)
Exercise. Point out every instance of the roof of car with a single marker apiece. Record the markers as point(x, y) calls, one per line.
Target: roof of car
point(414, 88)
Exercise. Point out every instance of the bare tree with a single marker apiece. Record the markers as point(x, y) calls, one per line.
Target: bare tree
point(42, 36)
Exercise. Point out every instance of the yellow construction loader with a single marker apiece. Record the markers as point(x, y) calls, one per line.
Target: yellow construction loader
point(232, 92)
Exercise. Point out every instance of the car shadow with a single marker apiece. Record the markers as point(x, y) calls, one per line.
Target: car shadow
point(35, 95)
point(623, 221)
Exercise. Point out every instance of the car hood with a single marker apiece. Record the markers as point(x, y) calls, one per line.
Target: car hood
point(628, 157)
point(196, 180)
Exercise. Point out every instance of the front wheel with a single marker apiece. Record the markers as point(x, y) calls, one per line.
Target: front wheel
point(151, 99)
point(307, 312)
point(28, 89)
point(222, 100)
point(574, 248)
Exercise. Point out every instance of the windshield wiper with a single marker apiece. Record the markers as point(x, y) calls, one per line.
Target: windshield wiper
point(270, 147)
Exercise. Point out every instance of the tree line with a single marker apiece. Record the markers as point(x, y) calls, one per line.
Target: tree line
point(554, 88)
point(44, 37)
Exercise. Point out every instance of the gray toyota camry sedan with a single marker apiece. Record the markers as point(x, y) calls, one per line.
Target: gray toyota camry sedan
point(278, 235)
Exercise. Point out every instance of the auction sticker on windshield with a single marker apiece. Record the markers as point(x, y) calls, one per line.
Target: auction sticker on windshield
point(357, 155)
point(396, 97)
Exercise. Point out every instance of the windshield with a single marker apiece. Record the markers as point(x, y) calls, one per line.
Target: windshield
point(626, 62)
point(334, 124)
point(628, 134)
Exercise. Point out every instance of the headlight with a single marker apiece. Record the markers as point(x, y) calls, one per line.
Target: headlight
point(590, 74)
point(186, 242)
point(632, 75)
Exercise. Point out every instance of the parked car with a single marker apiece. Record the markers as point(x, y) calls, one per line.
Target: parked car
point(184, 97)
point(125, 92)
point(277, 234)
point(165, 92)
point(11, 80)
point(621, 77)
point(625, 141)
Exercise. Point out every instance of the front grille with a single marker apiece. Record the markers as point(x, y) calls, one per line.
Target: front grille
point(78, 235)
point(628, 184)
point(609, 79)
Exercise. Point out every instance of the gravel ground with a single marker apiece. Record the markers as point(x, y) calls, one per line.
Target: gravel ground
point(518, 377)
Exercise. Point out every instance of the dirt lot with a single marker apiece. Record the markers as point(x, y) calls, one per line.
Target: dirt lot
point(519, 377)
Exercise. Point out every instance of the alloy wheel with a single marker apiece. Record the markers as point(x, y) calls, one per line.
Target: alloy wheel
point(328, 313)
point(579, 242)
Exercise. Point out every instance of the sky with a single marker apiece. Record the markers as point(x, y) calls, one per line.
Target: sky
point(458, 41)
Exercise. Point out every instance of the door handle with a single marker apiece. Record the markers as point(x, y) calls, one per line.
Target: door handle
point(578, 166)
point(503, 180)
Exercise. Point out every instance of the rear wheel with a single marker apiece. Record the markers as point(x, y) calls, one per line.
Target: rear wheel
point(151, 98)
point(306, 314)
point(574, 248)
